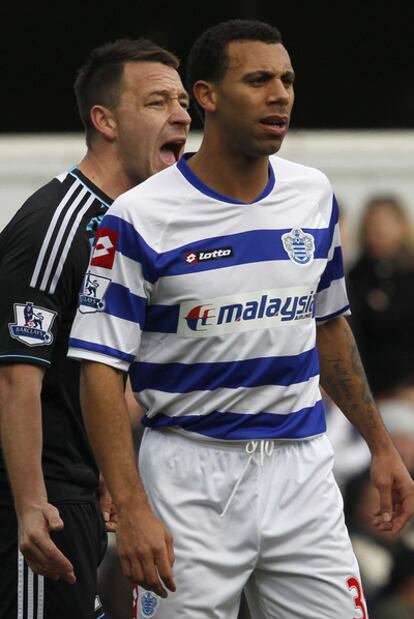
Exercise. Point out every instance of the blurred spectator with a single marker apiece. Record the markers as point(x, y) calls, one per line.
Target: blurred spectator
point(347, 237)
point(374, 548)
point(381, 291)
point(398, 416)
point(352, 455)
point(398, 599)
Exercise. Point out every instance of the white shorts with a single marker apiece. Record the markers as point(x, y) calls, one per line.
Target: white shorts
point(270, 522)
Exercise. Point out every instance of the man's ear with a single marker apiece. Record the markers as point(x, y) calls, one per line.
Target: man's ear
point(104, 122)
point(205, 95)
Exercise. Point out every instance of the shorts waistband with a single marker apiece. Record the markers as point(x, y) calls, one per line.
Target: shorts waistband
point(239, 445)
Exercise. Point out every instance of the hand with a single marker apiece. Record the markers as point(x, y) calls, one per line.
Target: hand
point(145, 548)
point(396, 490)
point(107, 506)
point(41, 554)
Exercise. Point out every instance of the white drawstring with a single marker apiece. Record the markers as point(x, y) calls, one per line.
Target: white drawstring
point(266, 449)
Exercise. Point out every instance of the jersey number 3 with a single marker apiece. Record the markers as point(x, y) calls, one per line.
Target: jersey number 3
point(354, 585)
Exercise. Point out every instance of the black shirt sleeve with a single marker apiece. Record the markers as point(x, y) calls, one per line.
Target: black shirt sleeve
point(32, 312)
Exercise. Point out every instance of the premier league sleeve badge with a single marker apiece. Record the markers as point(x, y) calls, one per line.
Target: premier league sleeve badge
point(33, 324)
point(91, 299)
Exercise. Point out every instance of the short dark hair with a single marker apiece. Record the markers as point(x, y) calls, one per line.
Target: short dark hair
point(208, 58)
point(97, 81)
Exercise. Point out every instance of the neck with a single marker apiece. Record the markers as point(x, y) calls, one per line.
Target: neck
point(105, 171)
point(229, 172)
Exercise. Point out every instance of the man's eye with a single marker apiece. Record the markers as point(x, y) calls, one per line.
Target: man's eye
point(257, 81)
point(288, 80)
point(156, 103)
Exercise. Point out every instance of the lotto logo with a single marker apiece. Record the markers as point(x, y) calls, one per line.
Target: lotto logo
point(206, 255)
point(103, 254)
point(191, 258)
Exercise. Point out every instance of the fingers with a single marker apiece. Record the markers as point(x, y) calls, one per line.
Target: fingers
point(152, 577)
point(170, 547)
point(144, 573)
point(41, 553)
point(396, 491)
point(151, 566)
point(54, 521)
point(384, 489)
point(380, 523)
point(401, 513)
point(110, 526)
point(45, 558)
point(111, 521)
point(152, 571)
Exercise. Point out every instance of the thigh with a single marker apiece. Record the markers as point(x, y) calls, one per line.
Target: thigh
point(307, 567)
point(188, 485)
point(28, 596)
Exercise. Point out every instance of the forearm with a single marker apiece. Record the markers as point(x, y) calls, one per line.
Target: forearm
point(343, 378)
point(135, 410)
point(21, 432)
point(144, 543)
point(109, 431)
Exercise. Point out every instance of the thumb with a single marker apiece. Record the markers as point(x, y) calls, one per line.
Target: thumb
point(385, 502)
point(54, 521)
point(105, 501)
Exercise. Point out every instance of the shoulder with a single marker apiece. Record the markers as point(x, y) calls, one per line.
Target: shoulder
point(40, 207)
point(151, 205)
point(162, 185)
point(302, 176)
point(46, 234)
point(30, 222)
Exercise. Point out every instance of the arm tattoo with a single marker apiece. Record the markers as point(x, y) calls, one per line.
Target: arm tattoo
point(345, 380)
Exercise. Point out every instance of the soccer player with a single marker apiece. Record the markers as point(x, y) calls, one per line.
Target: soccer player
point(134, 108)
point(224, 298)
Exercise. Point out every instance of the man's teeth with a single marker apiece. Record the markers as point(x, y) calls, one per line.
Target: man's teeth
point(274, 122)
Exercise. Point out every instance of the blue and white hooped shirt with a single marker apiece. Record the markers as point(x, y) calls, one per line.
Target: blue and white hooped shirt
point(212, 304)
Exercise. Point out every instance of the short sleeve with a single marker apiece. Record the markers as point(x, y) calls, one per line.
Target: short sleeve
point(331, 297)
point(114, 296)
point(29, 317)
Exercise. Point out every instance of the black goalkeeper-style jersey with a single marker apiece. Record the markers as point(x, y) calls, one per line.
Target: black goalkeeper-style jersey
point(44, 253)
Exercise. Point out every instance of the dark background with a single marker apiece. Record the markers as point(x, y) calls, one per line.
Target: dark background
point(354, 60)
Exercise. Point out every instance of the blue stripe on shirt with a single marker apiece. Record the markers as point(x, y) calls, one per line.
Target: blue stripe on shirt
point(235, 426)
point(184, 378)
point(343, 310)
point(120, 302)
point(247, 247)
point(100, 348)
point(132, 245)
point(333, 270)
point(162, 318)
point(334, 214)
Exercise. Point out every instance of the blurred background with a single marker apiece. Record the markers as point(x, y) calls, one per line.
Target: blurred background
point(353, 119)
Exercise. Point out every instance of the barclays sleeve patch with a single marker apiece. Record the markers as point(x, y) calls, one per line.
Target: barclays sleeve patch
point(91, 298)
point(33, 324)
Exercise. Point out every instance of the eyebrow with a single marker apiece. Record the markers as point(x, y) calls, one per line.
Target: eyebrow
point(269, 73)
point(167, 94)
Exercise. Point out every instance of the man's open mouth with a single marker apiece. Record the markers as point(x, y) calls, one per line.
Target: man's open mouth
point(170, 152)
point(274, 121)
